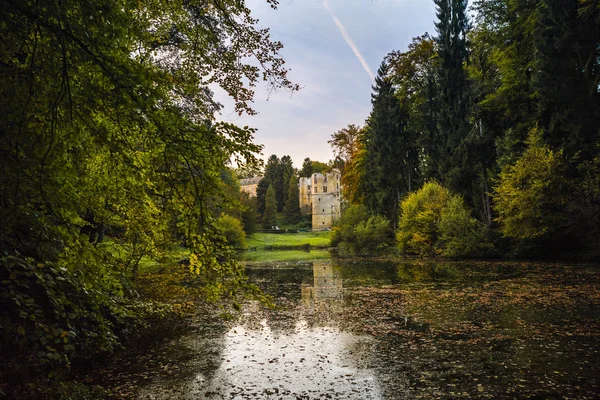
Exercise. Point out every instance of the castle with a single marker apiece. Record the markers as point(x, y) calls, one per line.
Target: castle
point(321, 196)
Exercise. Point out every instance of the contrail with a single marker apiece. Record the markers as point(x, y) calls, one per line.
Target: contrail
point(349, 41)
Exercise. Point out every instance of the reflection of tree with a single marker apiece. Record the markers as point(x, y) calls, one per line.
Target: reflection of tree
point(408, 273)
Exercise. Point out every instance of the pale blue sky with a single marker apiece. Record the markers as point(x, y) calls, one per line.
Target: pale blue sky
point(336, 86)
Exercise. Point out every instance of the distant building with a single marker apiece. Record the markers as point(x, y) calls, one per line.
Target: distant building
point(249, 185)
point(321, 196)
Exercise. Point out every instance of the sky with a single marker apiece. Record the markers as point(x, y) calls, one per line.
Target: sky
point(333, 49)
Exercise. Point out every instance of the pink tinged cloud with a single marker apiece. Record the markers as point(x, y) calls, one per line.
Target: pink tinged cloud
point(349, 41)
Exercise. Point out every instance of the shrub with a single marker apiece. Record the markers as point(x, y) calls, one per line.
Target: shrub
point(530, 194)
point(420, 215)
point(373, 235)
point(462, 235)
point(434, 221)
point(360, 233)
point(233, 230)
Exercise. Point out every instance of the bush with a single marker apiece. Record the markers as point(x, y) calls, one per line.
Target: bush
point(360, 233)
point(373, 235)
point(50, 315)
point(530, 194)
point(233, 230)
point(460, 234)
point(434, 221)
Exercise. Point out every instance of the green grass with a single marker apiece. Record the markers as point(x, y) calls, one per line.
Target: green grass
point(284, 255)
point(272, 247)
point(275, 241)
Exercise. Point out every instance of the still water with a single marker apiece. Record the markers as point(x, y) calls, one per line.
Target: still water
point(384, 330)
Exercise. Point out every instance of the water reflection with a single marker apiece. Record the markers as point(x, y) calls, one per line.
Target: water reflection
point(302, 354)
point(327, 283)
point(364, 329)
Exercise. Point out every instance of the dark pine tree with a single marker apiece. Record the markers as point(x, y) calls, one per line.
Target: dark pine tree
point(386, 150)
point(453, 168)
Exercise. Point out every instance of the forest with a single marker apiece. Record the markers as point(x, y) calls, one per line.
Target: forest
point(121, 211)
point(483, 138)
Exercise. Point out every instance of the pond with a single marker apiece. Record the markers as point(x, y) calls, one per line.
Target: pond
point(390, 330)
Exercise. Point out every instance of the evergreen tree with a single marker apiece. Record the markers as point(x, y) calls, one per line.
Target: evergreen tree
point(270, 217)
point(292, 206)
point(261, 194)
point(454, 166)
point(307, 169)
point(386, 150)
point(287, 173)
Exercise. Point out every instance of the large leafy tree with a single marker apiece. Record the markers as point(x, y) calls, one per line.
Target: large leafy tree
point(345, 142)
point(108, 120)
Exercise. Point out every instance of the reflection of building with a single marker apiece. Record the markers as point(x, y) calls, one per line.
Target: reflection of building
point(327, 283)
point(322, 194)
point(249, 185)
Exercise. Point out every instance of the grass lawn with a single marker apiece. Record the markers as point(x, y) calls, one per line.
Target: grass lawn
point(284, 255)
point(302, 246)
point(279, 241)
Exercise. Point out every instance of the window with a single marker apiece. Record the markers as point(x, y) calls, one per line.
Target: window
point(323, 210)
point(324, 189)
point(315, 189)
point(315, 179)
point(325, 179)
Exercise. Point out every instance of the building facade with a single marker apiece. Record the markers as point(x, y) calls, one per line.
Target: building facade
point(322, 195)
point(249, 185)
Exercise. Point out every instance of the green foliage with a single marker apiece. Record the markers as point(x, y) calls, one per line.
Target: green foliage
point(307, 170)
point(386, 175)
point(233, 230)
point(249, 212)
point(433, 221)
point(462, 235)
point(361, 233)
point(292, 205)
point(52, 313)
point(373, 235)
point(420, 215)
point(108, 124)
point(320, 167)
point(270, 217)
point(530, 194)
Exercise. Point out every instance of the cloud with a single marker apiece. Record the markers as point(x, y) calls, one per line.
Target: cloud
point(349, 41)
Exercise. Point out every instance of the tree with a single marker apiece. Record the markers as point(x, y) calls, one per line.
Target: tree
point(108, 112)
point(414, 73)
point(361, 233)
point(307, 169)
point(261, 195)
point(292, 205)
point(345, 142)
point(320, 167)
point(249, 213)
point(530, 195)
point(270, 217)
point(288, 173)
point(435, 221)
point(452, 26)
point(385, 146)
